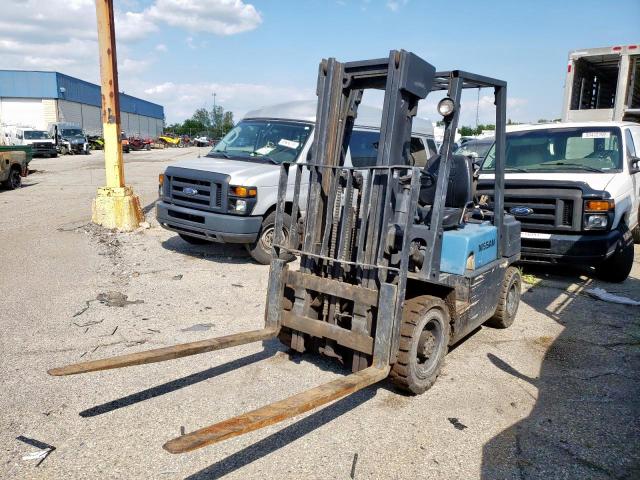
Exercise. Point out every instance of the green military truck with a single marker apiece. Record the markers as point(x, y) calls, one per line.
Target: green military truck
point(14, 161)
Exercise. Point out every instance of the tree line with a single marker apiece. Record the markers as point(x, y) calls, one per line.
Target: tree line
point(214, 123)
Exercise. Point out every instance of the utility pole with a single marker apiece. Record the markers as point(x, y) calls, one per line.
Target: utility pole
point(115, 206)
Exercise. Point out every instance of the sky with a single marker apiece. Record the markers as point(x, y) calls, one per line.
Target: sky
point(178, 53)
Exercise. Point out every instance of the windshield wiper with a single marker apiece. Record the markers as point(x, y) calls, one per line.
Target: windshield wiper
point(266, 158)
point(578, 165)
point(516, 169)
point(213, 154)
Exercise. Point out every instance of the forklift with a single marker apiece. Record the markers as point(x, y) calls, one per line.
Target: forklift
point(396, 262)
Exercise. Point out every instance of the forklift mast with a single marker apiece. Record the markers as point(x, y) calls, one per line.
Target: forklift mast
point(359, 239)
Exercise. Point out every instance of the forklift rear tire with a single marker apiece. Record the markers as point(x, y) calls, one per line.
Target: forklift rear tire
point(508, 300)
point(424, 341)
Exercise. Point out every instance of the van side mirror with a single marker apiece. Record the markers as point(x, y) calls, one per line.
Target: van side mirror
point(634, 166)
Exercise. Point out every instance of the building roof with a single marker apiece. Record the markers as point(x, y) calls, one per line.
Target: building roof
point(55, 85)
point(305, 110)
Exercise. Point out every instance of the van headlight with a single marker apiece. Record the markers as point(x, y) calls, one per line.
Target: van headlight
point(598, 214)
point(237, 205)
point(596, 222)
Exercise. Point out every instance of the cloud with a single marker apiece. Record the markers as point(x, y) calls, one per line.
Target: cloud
point(131, 66)
point(394, 5)
point(161, 47)
point(62, 34)
point(182, 99)
point(133, 26)
point(220, 17)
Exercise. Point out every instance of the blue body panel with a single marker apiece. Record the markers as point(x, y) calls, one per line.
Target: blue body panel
point(479, 240)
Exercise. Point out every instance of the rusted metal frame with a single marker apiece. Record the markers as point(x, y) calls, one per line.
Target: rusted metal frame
point(312, 212)
point(386, 213)
point(333, 287)
point(382, 350)
point(345, 262)
point(329, 211)
point(329, 91)
point(275, 292)
point(167, 353)
point(277, 411)
point(293, 235)
point(364, 215)
point(500, 152)
point(434, 240)
point(302, 299)
point(347, 210)
point(414, 193)
point(321, 329)
point(283, 184)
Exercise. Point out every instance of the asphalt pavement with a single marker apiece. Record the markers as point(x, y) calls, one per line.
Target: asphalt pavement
point(554, 396)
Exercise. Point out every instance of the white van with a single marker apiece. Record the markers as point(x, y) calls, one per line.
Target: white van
point(575, 188)
point(39, 140)
point(230, 195)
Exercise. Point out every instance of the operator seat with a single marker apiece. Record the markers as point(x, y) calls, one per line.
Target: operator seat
point(460, 191)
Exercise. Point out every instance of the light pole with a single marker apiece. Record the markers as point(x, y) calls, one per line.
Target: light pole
point(115, 205)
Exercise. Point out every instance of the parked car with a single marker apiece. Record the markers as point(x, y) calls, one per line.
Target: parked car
point(575, 188)
point(475, 148)
point(124, 140)
point(137, 143)
point(14, 164)
point(69, 138)
point(39, 140)
point(202, 141)
point(229, 196)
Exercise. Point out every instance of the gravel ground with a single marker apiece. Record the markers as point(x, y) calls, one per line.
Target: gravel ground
point(554, 396)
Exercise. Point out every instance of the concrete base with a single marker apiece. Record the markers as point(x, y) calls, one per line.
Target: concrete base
point(117, 208)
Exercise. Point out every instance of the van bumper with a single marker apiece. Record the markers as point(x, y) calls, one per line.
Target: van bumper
point(215, 227)
point(589, 249)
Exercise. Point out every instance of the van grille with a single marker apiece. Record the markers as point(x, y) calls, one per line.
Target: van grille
point(195, 193)
point(554, 209)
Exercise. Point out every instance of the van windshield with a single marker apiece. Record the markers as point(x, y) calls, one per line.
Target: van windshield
point(272, 141)
point(587, 149)
point(35, 135)
point(72, 132)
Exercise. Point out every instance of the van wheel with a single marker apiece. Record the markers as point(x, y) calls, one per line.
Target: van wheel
point(636, 231)
point(508, 300)
point(424, 342)
point(63, 150)
point(260, 250)
point(193, 240)
point(617, 267)
point(15, 180)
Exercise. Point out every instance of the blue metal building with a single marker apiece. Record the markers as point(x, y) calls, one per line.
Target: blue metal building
point(38, 98)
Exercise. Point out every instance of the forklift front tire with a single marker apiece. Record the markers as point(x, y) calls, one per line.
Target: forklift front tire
point(508, 300)
point(424, 342)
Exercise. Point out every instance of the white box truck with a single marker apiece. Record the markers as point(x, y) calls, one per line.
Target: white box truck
point(603, 84)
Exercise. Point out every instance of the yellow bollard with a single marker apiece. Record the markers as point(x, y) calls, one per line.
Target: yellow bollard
point(115, 206)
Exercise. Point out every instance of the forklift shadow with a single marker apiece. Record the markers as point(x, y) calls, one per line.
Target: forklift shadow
point(269, 350)
point(284, 437)
point(217, 252)
point(584, 420)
